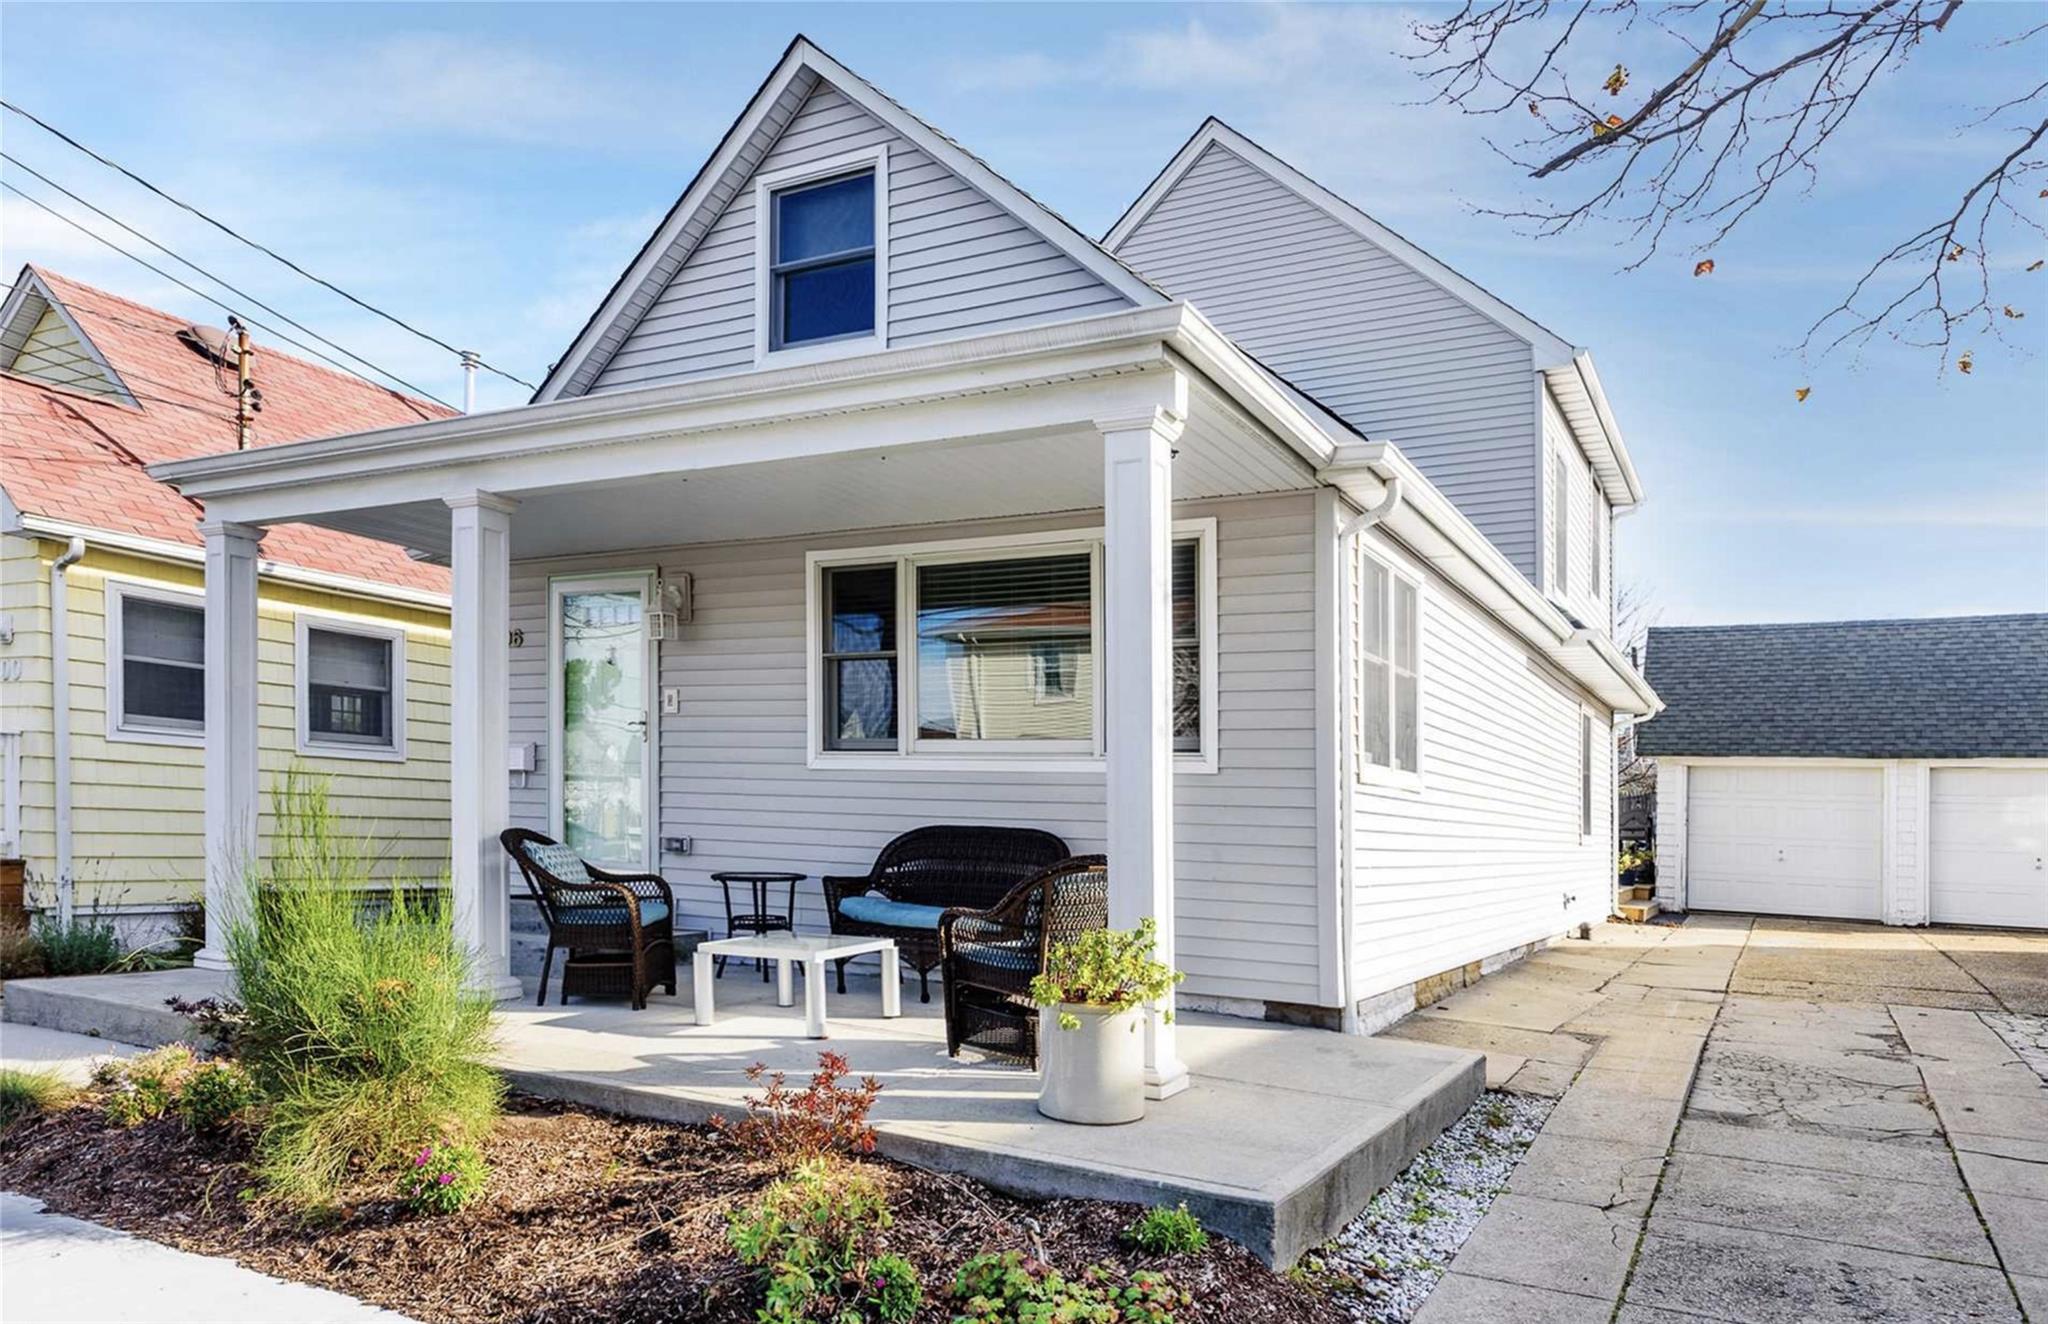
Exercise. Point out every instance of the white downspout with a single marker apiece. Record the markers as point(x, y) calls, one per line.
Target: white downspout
point(1347, 772)
point(60, 716)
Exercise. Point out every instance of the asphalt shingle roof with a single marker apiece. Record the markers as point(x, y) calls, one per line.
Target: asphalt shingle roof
point(1950, 687)
point(80, 458)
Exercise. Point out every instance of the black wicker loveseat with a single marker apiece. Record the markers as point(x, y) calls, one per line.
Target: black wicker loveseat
point(928, 871)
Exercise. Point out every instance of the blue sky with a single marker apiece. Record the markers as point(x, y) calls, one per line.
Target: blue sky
point(486, 171)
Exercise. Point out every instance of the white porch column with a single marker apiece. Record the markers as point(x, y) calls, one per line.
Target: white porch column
point(1138, 696)
point(479, 801)
point(232, 783)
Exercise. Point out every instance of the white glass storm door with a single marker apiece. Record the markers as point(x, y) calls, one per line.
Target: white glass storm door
point(601, 671)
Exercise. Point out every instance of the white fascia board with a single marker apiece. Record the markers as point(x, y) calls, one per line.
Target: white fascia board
point(1106, 344)
point(803, 57)
point(1578, 382)
point(29, 285)
point(1551, 350)
point(1438, 533)
point(283, 572)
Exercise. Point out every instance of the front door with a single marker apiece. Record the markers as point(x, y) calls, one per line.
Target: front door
point(602, 675)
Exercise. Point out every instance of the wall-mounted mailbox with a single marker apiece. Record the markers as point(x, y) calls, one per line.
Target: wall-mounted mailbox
point(520, 756)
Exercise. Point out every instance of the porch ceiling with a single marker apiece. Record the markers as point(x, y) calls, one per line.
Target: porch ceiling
point(1220, 453)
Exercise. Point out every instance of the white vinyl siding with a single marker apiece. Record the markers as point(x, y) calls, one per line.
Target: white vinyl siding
point(733, 760)
point(958, 264)
point(1383, 347)
point(1578, 527)
point(1484, 854)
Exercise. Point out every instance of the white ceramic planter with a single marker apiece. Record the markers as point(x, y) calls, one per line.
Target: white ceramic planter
point(1094, 1074)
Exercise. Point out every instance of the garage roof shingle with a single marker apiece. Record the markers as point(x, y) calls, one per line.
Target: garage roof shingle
point(1946, 688)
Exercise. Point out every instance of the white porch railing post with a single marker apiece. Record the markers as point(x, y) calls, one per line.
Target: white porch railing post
point(1138, 697)
point(479, 800)
point(232, 785)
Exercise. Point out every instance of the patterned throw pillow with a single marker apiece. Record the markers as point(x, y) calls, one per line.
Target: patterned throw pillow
point(557, 859)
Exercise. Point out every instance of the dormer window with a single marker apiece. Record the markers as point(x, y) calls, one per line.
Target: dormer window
point(822, 257)
point(824, 265)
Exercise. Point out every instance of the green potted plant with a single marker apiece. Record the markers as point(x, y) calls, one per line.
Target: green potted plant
point(1093, 992)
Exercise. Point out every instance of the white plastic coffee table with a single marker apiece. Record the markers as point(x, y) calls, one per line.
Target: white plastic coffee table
point(785, 949)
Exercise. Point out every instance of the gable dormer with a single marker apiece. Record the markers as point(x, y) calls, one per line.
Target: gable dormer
point(1380, 333)
point(40, 339)
point(831, 221)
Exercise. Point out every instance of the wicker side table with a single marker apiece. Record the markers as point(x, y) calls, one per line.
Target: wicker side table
point(753, 916)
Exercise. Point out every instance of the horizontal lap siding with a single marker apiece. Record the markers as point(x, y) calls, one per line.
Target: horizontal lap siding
point(959, 264)
point(1385, 348)
point(733, 772)
point(1481, 858)
point(1589, 553)
point(138, 808)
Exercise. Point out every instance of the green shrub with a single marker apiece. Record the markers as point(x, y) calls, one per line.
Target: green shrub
point(1113, 969)
point(26, 1094)
point(1163, 1231)
point(362, 1030)
point(82, 945)
point(442, 1179)
point(141, 1089)
point(213, 1097)
point(807, 1239)
point(1008, 1288)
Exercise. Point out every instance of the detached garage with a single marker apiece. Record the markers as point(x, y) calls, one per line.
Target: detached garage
point(1873, 770)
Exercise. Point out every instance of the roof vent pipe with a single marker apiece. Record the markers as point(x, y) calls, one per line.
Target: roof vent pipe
point(60, 718)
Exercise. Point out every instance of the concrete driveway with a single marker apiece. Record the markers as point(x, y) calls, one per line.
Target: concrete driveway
point(1765, 1120)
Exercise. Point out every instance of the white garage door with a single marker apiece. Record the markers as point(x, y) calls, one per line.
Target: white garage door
point(1786, 840)
point(1987, 839)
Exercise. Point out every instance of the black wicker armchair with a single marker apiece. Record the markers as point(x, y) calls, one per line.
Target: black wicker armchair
point(617, 929)
point(991, 955)
point(925, 872)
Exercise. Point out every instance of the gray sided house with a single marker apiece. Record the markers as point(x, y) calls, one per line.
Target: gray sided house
point(1877, 770)
point(1251, 545)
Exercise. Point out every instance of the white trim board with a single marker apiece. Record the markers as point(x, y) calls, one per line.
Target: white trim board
point(304, 621)
point(713, 185)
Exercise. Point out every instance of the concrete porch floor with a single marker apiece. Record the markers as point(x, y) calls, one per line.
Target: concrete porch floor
point(1283, 1135)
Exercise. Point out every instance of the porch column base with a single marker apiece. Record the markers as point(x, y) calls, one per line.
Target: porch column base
point(501, 988)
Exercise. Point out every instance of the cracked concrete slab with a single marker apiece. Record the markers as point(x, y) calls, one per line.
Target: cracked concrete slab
point(1551, 1244)
point(1878, 1213)
point(1914, 1158)
point(1769, 1278)
point(1604, 1174)
point(2019, 1226)
point(1999, 1174)
point(1464, 1299)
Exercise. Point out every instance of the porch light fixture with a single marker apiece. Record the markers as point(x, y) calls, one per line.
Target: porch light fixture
point(671, 608)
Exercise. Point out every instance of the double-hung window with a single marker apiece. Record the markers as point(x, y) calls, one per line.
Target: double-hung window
point(821, 267)
point(988, 649)
point(351, 690)
point(1389, 718)
point(158, 644)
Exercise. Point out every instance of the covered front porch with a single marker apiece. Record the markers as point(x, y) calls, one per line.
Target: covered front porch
point(1284, 1134)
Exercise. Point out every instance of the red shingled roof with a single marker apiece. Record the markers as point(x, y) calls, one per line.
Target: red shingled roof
point(80, 458)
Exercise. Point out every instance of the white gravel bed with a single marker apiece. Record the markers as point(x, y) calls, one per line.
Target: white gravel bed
point(1388, 1260)
point(2027, 1036)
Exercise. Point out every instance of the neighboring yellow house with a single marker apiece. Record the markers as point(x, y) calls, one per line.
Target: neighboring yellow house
point(354, 649)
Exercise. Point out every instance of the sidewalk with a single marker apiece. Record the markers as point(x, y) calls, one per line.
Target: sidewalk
point(62, 1271)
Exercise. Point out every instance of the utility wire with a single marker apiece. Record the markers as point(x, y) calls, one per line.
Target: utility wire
point(181, 258)
point(232, 233)
point(183, 285)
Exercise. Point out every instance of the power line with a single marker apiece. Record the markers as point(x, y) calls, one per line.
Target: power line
point(183, 285)
point(188, 262)
point(232, 233)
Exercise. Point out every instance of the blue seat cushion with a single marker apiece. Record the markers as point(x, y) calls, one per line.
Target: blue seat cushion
point(1010, 954)
point(651, 912)
point(895, 914)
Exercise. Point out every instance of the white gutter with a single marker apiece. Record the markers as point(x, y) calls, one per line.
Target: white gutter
point(60, 715)
point(160, 549)
point(1347, 772)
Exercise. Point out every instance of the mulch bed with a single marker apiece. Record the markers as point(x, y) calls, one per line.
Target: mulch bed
point(588, 1216)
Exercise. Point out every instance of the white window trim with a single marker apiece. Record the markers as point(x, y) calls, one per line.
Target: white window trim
point(644, 579)
point(117, 590)
point(1366, 772)
point(992, 755)
point(766, 185)
point(1586, 802)
point(310, 745)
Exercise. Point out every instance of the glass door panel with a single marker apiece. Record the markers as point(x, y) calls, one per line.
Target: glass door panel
point(601, 650)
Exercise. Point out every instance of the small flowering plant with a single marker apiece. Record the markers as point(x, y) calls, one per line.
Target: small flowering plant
point(442, 1179)
point(1111, 970)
